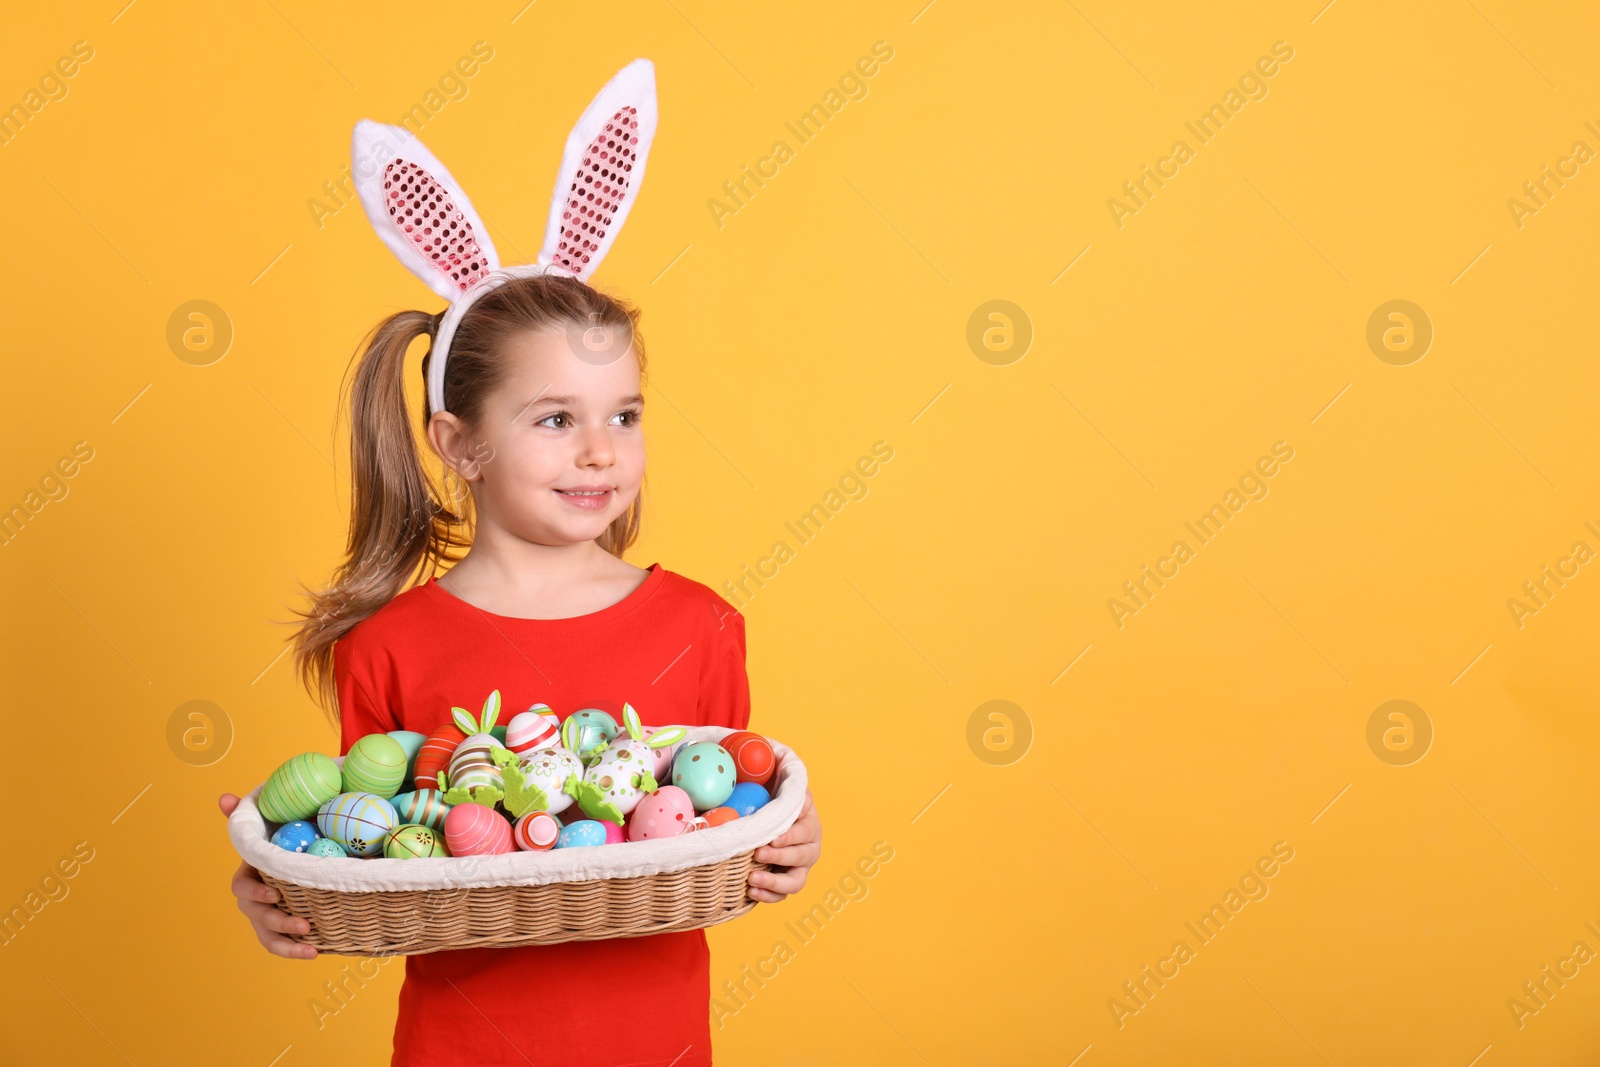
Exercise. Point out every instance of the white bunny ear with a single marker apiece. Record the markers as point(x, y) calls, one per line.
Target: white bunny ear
point(601, 169)
point(418, 209)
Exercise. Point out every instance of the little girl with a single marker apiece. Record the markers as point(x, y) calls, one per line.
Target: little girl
point(543, 426)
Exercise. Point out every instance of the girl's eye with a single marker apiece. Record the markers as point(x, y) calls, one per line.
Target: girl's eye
point(629, 417)
point(558, 415)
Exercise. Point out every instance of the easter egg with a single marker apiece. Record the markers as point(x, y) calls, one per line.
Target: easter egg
point(536, 728)
point(718, 816)
point(375, 764)
point(474, 830)
point(358, 821)
point(536, 831)
point(704, 770)
point(661, 758)
point(549, 769)
point(585, 732)
point(664, 813)
point(434, 755)
point(473, 765)
point(326, 846)
point(753, 758)
point(498, 733)
point(613, 830)
point(411, 841)
point(616, 781)
point(747, 798)
point(299, 787)
point(295, 836)
point(580, 834)
point(411, 741)
point(425, 807)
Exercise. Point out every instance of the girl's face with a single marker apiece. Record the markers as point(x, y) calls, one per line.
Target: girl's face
point(559, 453)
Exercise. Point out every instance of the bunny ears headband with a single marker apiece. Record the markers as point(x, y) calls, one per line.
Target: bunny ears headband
point(424, 217)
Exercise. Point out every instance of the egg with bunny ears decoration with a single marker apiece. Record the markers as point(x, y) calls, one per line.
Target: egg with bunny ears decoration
point(423, 216)
point(619, 778)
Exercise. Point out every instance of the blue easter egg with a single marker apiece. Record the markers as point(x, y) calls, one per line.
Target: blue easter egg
point(411, 744)
point(326, 846)
point(582, 833)
point(295, 836)
point(747, 798)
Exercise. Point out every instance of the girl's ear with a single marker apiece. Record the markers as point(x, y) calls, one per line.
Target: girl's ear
point(601, 170)
point(418, 209)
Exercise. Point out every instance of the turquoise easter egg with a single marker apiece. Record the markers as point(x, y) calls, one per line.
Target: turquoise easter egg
point(410, 842)
point(375, 764)
point(425, 807)
point(295, 836)
point(581, 834)
point(411, 742)
point(326, 846)
point(586, 732)
point(358, 821)
point(706, 772)
point(299, 787)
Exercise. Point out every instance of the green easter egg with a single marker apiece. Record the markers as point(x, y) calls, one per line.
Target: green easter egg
point(299, 787)
point(706, 772)
point(326, 846)
point(499, 733)
point(411, 741)
point(411, 842)
point(375, 764)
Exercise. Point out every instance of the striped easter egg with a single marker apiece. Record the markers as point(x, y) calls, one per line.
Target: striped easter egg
point(753, 758)
point(536, 728)
point(472, 766)
point(425, 807)
point(434, 755)
point(474, 830)
point(375, 764)
point(358, 821)
point(410, 842)
point(299, 787)
point(536, 831)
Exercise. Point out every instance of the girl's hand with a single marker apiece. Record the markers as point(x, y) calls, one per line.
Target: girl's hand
point(256, 900)
point(796, 851)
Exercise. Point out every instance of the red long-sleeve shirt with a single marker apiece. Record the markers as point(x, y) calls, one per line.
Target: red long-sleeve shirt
point(673, 649)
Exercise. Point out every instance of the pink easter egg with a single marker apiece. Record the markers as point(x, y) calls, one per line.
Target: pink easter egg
point(665, 813)
point(536, 728)
point(474, 830)
point(536, 831)
point(613, 832)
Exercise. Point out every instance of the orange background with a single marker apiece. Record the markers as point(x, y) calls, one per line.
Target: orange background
point(1163, 757)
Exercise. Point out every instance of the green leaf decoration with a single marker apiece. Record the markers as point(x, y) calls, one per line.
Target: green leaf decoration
point(459, 795)
point(464, 720)
point(630, 719)
point(444, 780)
point(504, 758)
point(592, 799)
point(647, 782)
point(486, 795)
point(491, 712)
point(522, 797)
point(667, 735)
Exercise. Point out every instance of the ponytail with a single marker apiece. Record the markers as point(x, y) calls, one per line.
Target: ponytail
point(398, 523)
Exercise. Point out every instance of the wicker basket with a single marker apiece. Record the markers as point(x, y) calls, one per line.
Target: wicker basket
point(369, 907)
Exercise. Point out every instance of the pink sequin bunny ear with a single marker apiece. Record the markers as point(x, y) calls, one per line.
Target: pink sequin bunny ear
point(418, 210)
point(601, 170)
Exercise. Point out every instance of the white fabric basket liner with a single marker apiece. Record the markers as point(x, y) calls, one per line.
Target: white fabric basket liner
point(629, 859)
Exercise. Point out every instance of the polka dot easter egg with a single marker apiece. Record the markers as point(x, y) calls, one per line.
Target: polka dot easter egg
point(299, 787)
point(358, 821)
point(425, 807)
point(375, 764)
point(704, 770)
point(474, 830)
point(614, 783)
point(536, 831)
point(665, 813)
point(545, 775)
point(753, 758)
point(411, 842)
point(536, 728)
point(295, 836)
point(327, 847)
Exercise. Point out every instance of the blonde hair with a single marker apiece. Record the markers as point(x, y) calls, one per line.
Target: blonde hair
point(402, 526)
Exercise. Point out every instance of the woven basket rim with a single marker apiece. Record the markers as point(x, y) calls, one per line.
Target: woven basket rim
point(247, 828)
